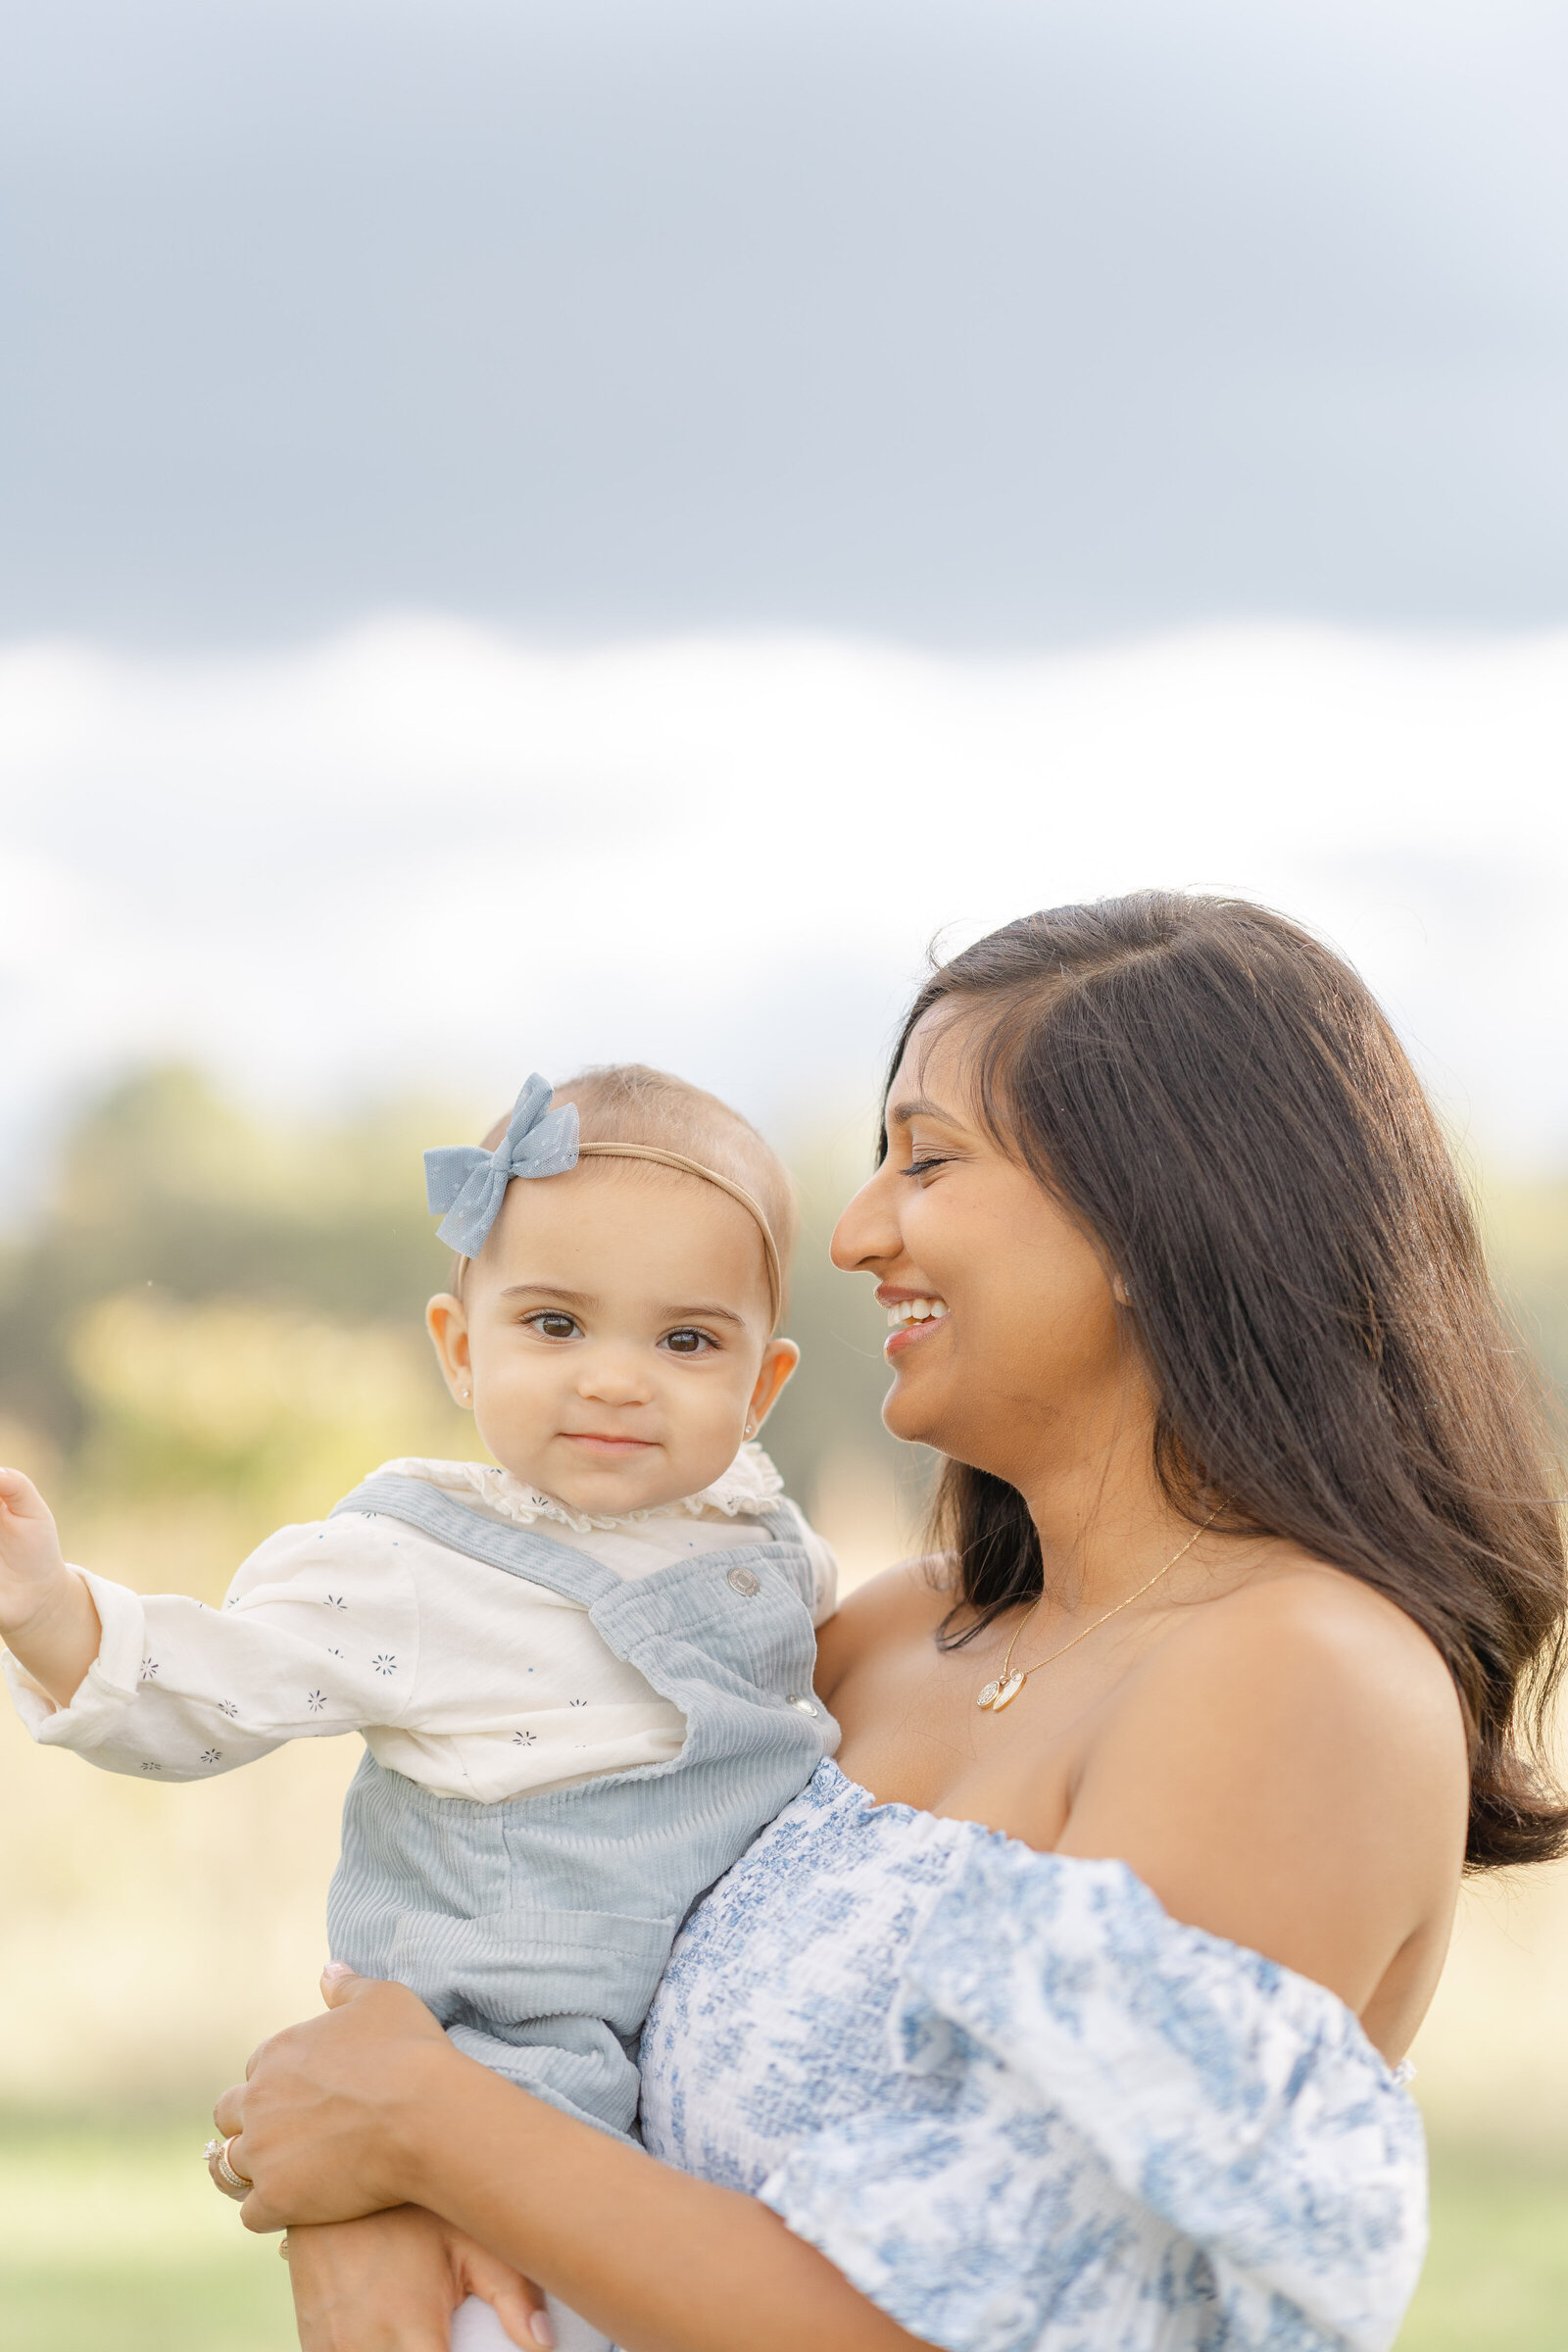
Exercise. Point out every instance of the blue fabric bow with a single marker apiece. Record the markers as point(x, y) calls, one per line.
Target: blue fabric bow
point(470, 1183)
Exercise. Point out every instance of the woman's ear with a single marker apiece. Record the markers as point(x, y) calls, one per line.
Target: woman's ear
point(445, 1319)
point(1118, 1291)
point(779, 1359)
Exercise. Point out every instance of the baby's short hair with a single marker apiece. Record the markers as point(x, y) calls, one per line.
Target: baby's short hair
point(627, 1103)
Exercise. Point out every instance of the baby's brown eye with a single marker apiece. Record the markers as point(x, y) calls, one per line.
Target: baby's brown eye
point(554, 1327)
point(687, 1343)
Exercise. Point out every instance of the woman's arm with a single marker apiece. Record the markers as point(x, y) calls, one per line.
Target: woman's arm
point(371, 2107)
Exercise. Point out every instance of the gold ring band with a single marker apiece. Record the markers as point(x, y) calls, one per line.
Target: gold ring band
point(231, 2183)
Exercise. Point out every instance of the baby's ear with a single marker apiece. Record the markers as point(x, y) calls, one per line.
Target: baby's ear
point(445, 1319)
point(779, 1359)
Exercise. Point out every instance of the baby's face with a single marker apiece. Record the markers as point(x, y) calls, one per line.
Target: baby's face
point(614, 1333)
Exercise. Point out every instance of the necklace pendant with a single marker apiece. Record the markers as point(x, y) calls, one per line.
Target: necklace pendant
point(1007, 1693)
point(988, 1695)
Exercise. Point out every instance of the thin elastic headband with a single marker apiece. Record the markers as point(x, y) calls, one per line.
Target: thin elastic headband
point(695, 1167)
point(469, 1183)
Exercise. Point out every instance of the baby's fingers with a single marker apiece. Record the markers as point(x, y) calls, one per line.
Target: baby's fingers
point(21, 1497)
point(517, 2302)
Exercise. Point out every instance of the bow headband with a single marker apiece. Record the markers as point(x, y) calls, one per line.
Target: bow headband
point(470, 1183)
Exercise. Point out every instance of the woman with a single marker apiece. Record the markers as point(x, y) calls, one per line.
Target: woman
point(1064, 2010)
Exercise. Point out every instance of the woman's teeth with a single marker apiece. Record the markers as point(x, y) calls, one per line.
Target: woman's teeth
point(915, 1310)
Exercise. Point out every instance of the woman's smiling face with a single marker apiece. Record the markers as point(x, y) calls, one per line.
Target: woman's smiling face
point(1005, 1345)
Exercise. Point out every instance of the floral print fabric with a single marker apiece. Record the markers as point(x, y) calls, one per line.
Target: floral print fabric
point(1021, 2108)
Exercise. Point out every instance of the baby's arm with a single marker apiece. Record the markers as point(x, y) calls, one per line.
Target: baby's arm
point(320, 1635)
point(47, 1615)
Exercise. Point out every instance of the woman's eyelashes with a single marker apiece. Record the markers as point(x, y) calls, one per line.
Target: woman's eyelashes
point(923, 1163)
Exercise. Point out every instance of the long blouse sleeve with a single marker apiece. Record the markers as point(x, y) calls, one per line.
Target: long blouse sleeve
point(1132, 2133)
point(319, 1635)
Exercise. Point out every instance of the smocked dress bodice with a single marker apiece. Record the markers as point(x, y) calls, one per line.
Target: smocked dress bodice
point(1021, 2108)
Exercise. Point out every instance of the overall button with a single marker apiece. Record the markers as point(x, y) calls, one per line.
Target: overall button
point(807, 1706)
point(744, 1581)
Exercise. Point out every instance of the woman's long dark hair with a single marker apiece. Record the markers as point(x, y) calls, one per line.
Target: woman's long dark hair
point(1223, 1106)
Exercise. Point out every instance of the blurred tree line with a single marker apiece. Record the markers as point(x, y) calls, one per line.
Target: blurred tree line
point(216, 1325)
point(226, 1316)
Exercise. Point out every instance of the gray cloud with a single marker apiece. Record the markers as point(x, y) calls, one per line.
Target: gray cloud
point(983, 321)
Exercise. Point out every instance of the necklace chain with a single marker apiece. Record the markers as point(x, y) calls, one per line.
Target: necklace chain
point(1005, 1687)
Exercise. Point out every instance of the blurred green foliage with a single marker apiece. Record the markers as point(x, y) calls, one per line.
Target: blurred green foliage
point(208, 1305)
point(162, 1184)
point(1527, 1234)
point(213, 1305)
point(1497, 2275)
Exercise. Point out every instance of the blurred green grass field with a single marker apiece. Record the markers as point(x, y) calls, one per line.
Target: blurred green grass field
point(111, 2239)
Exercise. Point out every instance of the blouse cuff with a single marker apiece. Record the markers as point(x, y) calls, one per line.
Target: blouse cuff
point(108, 1685)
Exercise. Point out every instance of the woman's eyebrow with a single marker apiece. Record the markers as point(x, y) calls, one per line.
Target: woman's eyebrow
point(920, 1106)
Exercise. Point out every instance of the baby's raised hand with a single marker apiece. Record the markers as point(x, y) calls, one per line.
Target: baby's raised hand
point(47, 1616)
point(31, 1566)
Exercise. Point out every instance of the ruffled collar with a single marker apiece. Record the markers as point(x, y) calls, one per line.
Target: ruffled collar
point(746, 1490)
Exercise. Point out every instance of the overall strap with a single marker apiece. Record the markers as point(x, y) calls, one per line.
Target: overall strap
point(539, 1559)
point(781, 1521)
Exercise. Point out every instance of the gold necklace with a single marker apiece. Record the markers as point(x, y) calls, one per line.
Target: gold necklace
point(1005, 1687)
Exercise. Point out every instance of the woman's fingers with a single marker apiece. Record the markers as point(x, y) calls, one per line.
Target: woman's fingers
point(325, 2107)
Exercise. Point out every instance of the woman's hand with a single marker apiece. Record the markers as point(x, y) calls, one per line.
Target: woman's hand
point(372, 2108)
point(392, 2281)
point(325, 2125)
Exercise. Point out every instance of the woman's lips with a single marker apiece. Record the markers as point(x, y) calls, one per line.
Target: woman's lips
point(911, 1335)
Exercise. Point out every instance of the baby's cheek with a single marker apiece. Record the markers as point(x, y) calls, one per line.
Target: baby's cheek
point(711, 1412)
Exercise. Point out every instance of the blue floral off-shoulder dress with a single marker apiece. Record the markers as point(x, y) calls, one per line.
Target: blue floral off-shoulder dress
point(1021, 2108)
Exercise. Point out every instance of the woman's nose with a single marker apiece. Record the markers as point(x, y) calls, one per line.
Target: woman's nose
point(866, 1235)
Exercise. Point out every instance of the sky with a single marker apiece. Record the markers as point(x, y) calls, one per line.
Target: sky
point(536, 532)
point(968, 323)
point(432, 856)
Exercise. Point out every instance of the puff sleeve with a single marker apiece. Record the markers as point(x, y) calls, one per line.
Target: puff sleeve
point(1134, 2133)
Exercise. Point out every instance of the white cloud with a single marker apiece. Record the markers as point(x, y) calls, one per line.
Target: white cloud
point(424, 853)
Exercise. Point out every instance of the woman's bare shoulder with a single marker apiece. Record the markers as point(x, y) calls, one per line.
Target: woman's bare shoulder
point(1287, 1762)
point(1298, 1618)
point(904, 1603)
point(1305, 1659)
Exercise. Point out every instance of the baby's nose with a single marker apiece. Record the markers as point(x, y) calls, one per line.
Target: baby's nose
point(614, 1375)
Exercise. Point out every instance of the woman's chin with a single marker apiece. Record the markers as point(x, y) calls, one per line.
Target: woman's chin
point(910, 1417)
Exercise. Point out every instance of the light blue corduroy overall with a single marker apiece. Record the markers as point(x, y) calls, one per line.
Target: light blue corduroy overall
point(537, 1929)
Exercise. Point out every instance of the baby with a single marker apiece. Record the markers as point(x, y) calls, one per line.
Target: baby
point(583, 1675)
